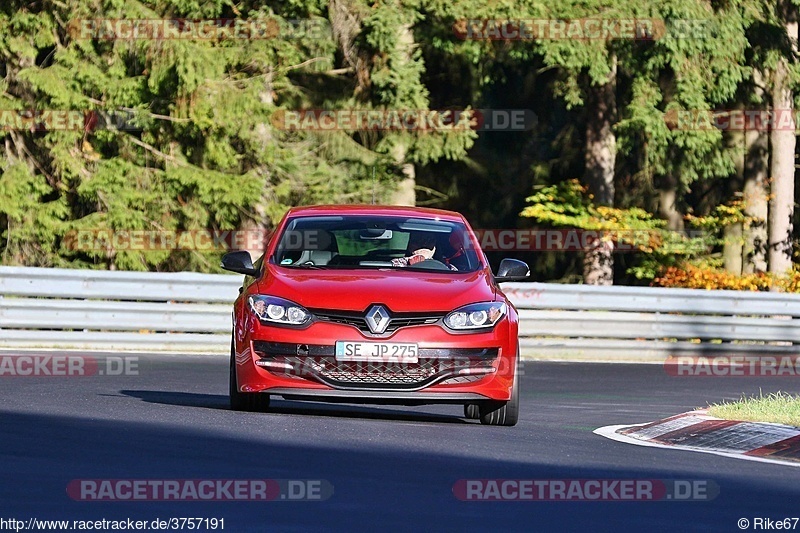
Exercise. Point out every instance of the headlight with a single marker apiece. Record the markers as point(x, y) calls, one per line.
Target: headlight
point(476, 316)
point(278, 310)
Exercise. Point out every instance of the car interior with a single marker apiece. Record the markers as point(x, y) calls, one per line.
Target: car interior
point(373, 245)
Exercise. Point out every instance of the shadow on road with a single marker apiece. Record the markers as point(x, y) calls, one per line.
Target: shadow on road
point(400, 487)
point(282, 407)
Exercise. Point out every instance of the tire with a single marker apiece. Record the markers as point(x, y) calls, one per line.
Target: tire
point(244, 401)
point(494, 413)
point(472, 411)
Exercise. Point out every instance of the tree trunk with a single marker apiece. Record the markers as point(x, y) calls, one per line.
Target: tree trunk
point(406, 193)
point(756, 194)
point(668, 203)
point(406, 189)
point(782, 142)
point(601, 153)
point(732, 244)
point(732, 249)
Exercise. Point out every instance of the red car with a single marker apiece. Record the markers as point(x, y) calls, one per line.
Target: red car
point(374, 304)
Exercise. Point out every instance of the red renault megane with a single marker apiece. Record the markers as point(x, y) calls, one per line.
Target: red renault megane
point(372, 304)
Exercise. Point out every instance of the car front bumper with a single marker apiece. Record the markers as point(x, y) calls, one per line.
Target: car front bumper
point(451, 368)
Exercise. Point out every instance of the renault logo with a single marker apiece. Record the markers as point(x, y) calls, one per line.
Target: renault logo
point(377, 319)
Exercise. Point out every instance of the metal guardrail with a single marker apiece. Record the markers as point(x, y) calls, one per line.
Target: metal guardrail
point(566, 321)
point(90, 309)
point(94, 309)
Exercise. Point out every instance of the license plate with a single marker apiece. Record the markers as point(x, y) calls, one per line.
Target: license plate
point(384, 352)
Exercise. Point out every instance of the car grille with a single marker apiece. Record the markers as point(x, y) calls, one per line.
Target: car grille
point(318, 363)
point(358, 320)
point(350, 372)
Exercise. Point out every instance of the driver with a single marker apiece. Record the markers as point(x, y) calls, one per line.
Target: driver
point(423, 246)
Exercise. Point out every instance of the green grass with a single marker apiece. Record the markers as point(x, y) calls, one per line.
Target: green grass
point(778, 407)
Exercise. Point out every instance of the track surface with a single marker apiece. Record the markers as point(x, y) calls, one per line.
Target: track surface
point(393, 468)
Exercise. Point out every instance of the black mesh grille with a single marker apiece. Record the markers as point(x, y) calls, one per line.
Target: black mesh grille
point(375, 373)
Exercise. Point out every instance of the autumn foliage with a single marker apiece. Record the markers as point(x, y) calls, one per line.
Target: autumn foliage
point(693, 277)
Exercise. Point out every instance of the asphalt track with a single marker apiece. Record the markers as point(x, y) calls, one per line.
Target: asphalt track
point(392, 468)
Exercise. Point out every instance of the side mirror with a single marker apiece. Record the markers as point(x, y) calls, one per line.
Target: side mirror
point(239, 262)
point(512, 270)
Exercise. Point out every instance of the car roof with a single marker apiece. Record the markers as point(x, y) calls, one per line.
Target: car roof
point(355, 209)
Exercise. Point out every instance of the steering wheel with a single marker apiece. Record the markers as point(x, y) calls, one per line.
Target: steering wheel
point(431, 264)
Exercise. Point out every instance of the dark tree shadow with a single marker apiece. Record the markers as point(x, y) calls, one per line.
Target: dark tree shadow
point(284, 407)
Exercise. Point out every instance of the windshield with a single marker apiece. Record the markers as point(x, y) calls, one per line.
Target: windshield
point(376, 242)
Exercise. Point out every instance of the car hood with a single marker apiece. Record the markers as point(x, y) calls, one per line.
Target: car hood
point(400, 290)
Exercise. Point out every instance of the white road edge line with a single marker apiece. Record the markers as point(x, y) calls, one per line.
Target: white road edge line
point(610, 432)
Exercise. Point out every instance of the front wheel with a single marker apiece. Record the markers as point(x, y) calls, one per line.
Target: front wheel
point(244, 401)
point(494, 413)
